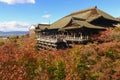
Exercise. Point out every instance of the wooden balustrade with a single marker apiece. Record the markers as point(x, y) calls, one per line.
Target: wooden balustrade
point(53, 41)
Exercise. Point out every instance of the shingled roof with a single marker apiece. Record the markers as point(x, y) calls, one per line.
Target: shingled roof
point(91, 14)
point(41, 27)
point(87, 15)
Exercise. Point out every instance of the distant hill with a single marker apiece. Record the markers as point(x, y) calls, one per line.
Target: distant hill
point(5, 34)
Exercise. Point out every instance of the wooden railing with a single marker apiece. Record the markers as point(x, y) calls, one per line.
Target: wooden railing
point(81, 38)
point(51, 42)
point(55, 39)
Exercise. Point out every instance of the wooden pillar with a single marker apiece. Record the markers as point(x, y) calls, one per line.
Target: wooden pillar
point(38, 35)
point(87, 37)
point(81, 37)
point(63, 34)
point(67, 35)
point(74, 35)
point(79, 34)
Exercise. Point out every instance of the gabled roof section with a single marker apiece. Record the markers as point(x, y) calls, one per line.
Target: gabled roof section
point(88, 15)
point(42, 26)
point(91, 14)
point(87, 25)
point(61, 23)
point(81, 24)
point(105, 15)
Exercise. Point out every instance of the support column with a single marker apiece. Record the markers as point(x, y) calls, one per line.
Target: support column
point(74, 35)
point(81, 37)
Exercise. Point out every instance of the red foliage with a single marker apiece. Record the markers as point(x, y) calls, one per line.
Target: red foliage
point(10, 55)
point(103, 36)
point(21, 61)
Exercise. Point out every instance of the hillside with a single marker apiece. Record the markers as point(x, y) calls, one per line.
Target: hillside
point(100, 60)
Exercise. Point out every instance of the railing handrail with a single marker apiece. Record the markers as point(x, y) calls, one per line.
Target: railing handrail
point(54, 39)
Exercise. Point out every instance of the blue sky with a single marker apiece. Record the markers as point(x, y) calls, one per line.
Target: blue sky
point(20, 14)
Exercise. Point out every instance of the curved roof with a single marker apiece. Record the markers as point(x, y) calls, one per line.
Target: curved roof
point(88, 15)
point(87, 25)
point(61, 23)
point(41, 27)
point(91, 14)
point(81, 24)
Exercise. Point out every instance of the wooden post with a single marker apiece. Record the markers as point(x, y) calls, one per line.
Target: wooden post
point(74, 35)
point(38, 35)
point(62, 34)
point(87, 37)
point(79, 34)
point(81, 37)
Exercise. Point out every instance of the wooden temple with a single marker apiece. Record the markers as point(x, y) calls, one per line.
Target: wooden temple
point(75, 28)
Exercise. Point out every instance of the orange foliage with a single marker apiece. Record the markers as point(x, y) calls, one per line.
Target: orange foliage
point(21, 60)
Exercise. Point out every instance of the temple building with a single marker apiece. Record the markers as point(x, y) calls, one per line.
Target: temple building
point(77, 27)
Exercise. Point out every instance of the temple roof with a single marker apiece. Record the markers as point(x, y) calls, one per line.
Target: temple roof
point(88, 15)
point(42, 26)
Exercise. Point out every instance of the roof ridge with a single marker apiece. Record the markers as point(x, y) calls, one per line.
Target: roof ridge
point(81, 11)
point(105, 15)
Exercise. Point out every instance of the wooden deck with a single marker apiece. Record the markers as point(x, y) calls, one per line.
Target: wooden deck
point(51, 43)
point(59, 43)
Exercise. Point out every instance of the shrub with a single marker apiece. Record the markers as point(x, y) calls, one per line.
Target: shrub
point(103, 36)
point(30, 64)
point(60, 72)
point(115, 35)
point(82, 69)
point(12, 71)
point(13, 37)
point(112, 54)
point(51, 72)
point(117, 29)
point(2, 43)
point(95, 75)
point(21, 61)
point(55, 71)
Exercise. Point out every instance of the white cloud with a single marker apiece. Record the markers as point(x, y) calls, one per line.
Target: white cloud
point(14, 26)
point(45, 23)
point(17, 1)
point(46, 16)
